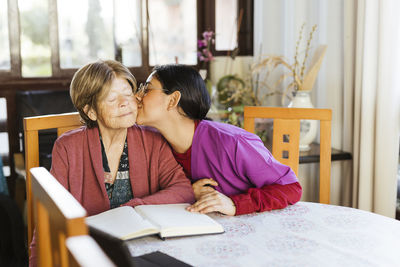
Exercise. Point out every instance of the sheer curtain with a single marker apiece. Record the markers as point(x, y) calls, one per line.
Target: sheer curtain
point(356, 81)
point(376, 104)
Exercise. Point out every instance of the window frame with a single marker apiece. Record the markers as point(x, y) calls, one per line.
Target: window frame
point(205, 21)
point(14, 41)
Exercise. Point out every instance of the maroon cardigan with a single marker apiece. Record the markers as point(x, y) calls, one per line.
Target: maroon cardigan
point(155, 176)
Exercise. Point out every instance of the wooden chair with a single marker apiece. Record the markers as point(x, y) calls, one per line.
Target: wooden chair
point(287, 124)
point(32, 125)
point(85, 252)
point(58, 215)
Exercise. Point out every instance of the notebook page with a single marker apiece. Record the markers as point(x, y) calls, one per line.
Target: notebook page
point(175, 217)
point(121, 222)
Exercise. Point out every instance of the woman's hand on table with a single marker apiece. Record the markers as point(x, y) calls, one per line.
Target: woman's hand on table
point(203, 186)
point(214, 201)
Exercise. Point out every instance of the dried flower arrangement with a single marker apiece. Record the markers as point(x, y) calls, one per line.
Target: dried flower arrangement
point(234, 93)
point(303, 78)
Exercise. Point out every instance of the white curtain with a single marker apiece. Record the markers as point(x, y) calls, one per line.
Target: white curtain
point(356, 81)
point(376, 104)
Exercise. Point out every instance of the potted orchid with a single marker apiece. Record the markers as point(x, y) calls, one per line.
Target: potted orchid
point(204, 53)
point(205, 56)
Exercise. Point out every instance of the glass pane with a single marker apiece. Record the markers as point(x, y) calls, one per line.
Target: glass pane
point(3, 109)
point(4, 41)
point(4, 151)
point(4, 135)
point(85, 31)
point(226, 24)
point(35, 48)
point(128, 31)
point(172, 31)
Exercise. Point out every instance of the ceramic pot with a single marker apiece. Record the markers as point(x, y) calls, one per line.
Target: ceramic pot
point(308, 128)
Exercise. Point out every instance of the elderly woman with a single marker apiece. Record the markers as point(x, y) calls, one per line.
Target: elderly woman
point(243, 176)
point(112, 162)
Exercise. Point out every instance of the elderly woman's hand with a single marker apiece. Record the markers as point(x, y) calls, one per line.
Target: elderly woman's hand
point(214, 201)
point(203, 186)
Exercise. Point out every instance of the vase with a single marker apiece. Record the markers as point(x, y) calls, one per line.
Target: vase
point(308, 128)
point(203, 73)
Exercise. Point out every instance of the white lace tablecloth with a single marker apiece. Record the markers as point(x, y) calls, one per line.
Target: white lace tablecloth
point(305, 234)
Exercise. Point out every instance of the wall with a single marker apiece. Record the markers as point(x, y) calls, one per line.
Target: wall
point(224, 65)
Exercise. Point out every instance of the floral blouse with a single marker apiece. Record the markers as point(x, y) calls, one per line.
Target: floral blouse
point(119, 191)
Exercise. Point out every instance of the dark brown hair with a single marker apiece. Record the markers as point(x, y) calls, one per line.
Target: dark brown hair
point(195, 100)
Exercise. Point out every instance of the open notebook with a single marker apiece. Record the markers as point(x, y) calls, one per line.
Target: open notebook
point(166, 220)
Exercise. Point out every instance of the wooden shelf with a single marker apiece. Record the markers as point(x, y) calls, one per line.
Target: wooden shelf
point(313, 154)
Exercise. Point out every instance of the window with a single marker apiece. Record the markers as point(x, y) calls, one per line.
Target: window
point(35, 46)
point(172, 32)
point(85, 33)
point(128, 32)
point(52, 38)
point(4, 136)
point(226, 18)
point(4, 44)
point(232, 21)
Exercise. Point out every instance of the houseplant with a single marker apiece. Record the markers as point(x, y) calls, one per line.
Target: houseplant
point(205, 56)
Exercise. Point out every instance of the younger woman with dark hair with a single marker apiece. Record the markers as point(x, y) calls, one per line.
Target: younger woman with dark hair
point(231, 170)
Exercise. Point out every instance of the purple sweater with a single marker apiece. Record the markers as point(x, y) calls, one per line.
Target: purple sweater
point(235, 158)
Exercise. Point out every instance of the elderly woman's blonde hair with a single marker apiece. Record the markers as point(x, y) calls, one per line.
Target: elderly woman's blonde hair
point(92, 81)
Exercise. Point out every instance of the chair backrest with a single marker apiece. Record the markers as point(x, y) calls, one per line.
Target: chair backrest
point(85, 252)
point(32, 126)
point(286, 136)
point(58, 215)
